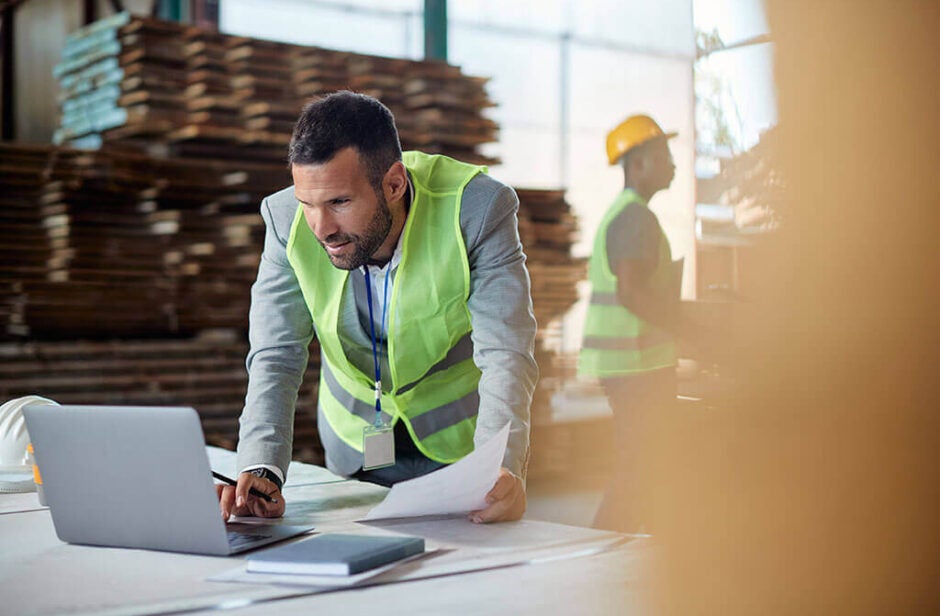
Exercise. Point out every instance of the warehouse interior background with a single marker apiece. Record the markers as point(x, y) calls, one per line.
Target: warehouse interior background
point(804, 204)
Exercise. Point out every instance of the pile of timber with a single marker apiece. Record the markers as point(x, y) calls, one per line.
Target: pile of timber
point(176, 90)
point(117, 244)
point(548, 228)
point(206, 372)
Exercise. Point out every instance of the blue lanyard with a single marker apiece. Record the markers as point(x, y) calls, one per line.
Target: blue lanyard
point(375, 346)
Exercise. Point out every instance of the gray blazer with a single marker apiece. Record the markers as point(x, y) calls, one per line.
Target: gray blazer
point(503, 336)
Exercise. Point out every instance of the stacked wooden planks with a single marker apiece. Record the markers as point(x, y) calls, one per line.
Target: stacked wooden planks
point(548, 228)
point(106, 244)
point(206, 372)
point(121, 75)
point(25, 247)
point(178, 91)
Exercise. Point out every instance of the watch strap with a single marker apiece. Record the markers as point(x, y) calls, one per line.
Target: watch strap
point(266, 474)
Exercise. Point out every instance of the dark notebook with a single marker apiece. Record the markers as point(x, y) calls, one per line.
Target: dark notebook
point(334, 554)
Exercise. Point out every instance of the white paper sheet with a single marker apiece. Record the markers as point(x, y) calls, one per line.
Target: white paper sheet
point(458, 488)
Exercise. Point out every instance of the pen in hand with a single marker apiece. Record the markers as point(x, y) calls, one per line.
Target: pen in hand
point(232, 482)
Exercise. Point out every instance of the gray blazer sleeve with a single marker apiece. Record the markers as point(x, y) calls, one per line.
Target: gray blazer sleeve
point(280, 330)
point(500, 307)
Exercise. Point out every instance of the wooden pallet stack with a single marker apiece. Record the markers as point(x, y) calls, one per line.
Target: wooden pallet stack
point(443, 110)
point(548, 229)
point(123, 77)
point(206, 372)
point(170, 246)
point(25, 245)
point(213, 121)
point(317, 71)
point(172, 90)
point(261, 74)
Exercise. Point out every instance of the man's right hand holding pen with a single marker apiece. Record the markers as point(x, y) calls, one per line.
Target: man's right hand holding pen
point(237, 500)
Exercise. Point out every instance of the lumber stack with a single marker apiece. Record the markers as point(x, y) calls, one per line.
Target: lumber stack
point(103, 244)
point(206, 372)
point(25, 247)
point(122, 76)
point(174, 90)
point(548, 229)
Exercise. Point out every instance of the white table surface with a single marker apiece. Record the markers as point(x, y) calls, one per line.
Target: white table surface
point(536, 567)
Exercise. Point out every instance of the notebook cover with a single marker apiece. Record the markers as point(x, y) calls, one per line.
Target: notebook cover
point(334, 554)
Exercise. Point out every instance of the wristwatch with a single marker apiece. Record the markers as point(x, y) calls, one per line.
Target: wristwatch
point(266, 474)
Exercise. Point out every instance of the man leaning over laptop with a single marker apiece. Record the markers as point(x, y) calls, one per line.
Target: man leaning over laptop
point(410, 270)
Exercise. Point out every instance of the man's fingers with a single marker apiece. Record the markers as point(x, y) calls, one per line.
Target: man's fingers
point(226, 500)
point(245, 483)
point(249, 504)
point(263, 509)
point(490, 514)
point(502, 487)
point(506, 500)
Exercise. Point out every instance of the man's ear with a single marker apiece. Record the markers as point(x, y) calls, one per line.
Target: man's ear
point(395, 182)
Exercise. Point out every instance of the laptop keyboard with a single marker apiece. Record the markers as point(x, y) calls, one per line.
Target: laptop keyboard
point(238, 540)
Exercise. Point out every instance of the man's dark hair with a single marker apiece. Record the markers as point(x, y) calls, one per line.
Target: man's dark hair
point(347, 119)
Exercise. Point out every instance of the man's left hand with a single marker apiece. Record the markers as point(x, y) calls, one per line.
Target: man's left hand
point(505, 502)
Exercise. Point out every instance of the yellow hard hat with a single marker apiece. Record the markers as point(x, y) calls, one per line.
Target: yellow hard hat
point(635, 130)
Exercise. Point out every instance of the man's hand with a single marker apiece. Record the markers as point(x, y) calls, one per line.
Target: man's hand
point(505, 502)
point(237, 501)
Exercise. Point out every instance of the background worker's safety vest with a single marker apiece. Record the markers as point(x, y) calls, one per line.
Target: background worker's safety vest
point(616, 341)
point(433, 383)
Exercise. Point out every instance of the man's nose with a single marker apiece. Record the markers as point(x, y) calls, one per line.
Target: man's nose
point(322, 223)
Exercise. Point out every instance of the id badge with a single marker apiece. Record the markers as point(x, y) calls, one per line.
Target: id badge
point(378, 447)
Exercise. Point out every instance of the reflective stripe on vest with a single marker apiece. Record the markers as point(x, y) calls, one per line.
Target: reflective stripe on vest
point(616, 341)
point(433, 382)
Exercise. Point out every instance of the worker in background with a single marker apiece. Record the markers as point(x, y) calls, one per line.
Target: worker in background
point(409, 270)
point(629, 334)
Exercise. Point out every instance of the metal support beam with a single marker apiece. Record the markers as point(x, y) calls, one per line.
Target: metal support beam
point(89, 11)
point(171, 10)
point(205, 14)
point(435, 30)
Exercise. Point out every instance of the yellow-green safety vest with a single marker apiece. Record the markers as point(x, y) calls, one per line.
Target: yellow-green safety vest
point(430, 354)
point(616, 341)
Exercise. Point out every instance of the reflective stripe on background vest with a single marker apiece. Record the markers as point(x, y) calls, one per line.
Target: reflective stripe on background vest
point(433, 381)
point(616, 341)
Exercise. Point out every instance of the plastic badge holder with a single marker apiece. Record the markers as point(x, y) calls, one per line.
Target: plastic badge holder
point(378, 447)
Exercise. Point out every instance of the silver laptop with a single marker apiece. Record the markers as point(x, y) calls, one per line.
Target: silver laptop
point(135, 477)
